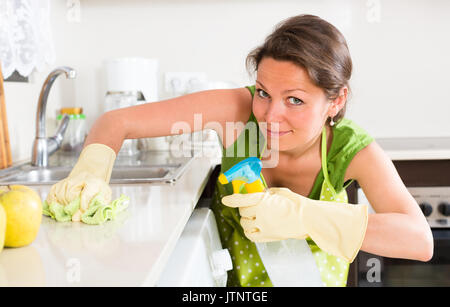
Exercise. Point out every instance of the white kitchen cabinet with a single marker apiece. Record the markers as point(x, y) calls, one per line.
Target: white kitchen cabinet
point(198, 259)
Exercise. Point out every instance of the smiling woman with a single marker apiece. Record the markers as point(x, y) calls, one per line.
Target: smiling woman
point(306, 108)
point(314, 45)
point(302, 84)
point(295, 111)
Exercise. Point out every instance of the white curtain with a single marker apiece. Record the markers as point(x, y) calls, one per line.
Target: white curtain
point(25, 36)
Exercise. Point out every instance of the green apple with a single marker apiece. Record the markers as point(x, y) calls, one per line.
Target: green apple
point(23, 208)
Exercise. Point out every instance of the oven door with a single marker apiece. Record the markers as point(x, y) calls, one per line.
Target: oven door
point(377, 271)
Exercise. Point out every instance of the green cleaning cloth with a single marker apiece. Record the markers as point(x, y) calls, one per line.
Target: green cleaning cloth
point(97, 213)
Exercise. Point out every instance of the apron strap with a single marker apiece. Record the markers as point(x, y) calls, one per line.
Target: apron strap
point(260, 155)
point(324, 161)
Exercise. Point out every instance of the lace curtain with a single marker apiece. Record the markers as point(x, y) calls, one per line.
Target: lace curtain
point(25, 36)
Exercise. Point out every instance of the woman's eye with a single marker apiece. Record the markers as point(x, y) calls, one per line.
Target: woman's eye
point(262, 93)
point(295, 101)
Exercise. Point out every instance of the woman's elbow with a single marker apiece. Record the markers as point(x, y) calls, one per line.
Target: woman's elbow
point(108, 129)
point(427, 245)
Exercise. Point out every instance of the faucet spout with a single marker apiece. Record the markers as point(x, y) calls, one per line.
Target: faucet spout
point(45, 91)
point(43, 147)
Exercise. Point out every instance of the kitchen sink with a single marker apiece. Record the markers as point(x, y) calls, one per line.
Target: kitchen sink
point(30, 175)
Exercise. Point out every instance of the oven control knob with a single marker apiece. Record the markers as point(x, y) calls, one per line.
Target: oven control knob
point(444, 208)
point(426, 208)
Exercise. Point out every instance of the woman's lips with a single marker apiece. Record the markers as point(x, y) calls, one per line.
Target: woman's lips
point(277, 134)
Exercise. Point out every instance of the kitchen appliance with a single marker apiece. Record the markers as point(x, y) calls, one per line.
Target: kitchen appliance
point(198, 259)
point(435, 205)
point(132, 74)
point(429, 184)
point(206, 142)
point(132, 81)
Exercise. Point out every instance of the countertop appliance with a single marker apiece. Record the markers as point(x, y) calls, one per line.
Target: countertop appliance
point(133, 74)
point(205, 142)
point(132, 81)
point(424, 165)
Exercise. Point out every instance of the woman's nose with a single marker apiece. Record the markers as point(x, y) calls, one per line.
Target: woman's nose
point(275, 112)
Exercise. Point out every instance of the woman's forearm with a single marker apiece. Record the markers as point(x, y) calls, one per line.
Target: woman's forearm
point(108, 129)
point(397, 235)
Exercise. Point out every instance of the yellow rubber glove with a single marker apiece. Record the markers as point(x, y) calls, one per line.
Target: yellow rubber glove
point(89, 176)
point(279, 214)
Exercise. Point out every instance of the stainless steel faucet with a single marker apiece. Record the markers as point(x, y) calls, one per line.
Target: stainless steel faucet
point(43, 146)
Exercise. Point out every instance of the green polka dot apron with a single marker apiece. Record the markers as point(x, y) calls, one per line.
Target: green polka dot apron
point(289, 262)
point(333, 270)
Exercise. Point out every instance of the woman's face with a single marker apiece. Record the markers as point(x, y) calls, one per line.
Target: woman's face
point(286, 96)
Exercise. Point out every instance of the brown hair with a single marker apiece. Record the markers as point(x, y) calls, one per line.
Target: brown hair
point(315, 45)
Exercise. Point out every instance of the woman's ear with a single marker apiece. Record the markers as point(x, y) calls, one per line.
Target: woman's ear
point(338, 103)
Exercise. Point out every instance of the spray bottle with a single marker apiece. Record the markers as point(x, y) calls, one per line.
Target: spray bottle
point(247, 173)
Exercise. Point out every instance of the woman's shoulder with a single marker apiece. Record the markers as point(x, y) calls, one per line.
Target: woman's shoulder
point(348, 137)
point(241, 103)
point(348, 126)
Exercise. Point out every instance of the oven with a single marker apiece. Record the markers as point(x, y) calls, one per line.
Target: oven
point(429, 183)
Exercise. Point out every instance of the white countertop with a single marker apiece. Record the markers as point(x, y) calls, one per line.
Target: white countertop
point(129, 251)
point(425, 148)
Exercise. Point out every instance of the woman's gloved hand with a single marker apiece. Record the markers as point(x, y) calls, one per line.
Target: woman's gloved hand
point(83, 185)
point(89, 176)
point(279, 214)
